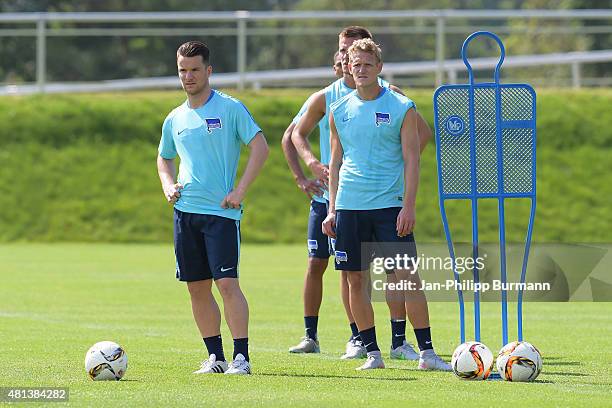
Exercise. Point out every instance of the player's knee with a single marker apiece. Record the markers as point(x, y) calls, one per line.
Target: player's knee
point(403, 275)
point(317, 266)
point(355, 280)
point(200, 288)
point(228, 287)
point(344, 278)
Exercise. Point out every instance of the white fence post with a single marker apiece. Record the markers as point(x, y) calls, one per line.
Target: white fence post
point(41, 54)
point(242, 47)
point(576, 74)
point(440, 39)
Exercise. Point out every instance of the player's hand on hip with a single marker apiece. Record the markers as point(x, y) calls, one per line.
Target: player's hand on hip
point(406, 220)
point(310, 187)
point(173, 192)
point(320, 171)
point(329, 225)
point(233, 199)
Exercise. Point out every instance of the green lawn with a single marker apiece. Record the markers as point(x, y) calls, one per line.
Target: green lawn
point(57, 300)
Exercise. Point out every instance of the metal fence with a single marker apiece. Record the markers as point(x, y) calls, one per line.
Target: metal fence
point(288, 77)
point(242, 24)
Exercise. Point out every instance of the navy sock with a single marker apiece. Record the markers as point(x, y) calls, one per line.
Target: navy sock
point(368, 336)
point(355, 331)
point(241, 346)
point(424, 338)
point(311, 323)
point(398, 332)
point(214, 345)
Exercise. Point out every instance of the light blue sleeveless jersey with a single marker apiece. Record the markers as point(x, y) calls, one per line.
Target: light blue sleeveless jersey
point(334, 91)
point(207, 140)
point(372, 172)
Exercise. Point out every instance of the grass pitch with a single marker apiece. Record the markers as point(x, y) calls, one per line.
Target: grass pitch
point(57, 300)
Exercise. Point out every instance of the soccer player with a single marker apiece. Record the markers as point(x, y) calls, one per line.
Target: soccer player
point(314, 111)
point(374, 173)
point(206, 132)
point(318, 243)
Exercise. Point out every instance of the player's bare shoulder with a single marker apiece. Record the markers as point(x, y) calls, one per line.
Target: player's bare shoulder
point(316, 102)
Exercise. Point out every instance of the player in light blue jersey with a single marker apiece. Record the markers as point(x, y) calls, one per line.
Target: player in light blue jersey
point(315, 111)
point(311, 187)
point(374, 173)
point(206, 132)
point(319, 247)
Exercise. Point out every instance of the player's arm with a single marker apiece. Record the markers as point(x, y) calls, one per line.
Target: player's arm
point(258, 154)
point(165, 163)
point(329, 225)
point(424, 132)
point(406, 219)
point(309, 187)
point(167, 174)
point(299, 137)
point(423, 129)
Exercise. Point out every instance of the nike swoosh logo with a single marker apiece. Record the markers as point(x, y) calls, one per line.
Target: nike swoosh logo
point(227, 269)
point(345, 119)
point(400, 335)
point(181, 131)
point(428, 342)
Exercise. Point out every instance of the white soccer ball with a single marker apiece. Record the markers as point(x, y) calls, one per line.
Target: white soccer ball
point(472, 361)
point(519, 361)
point(106, 360)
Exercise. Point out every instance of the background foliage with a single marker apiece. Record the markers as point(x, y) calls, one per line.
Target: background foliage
point(82, 168)
point(91, 58)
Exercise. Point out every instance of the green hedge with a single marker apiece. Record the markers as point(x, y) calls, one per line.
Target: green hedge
point(82, 168)
point(566, 119)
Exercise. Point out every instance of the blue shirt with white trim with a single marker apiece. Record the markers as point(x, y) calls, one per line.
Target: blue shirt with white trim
point(372, 172)
point(207, 140)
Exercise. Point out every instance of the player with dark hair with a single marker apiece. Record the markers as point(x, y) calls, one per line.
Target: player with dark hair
point(206, 132)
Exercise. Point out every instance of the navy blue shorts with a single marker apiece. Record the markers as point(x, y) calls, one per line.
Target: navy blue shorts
point(357, 227)
point(206, 246)
point(319, 245)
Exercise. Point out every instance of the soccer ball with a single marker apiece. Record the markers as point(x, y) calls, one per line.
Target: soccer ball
point(519, 361)
point(472, 361)
point(106, 360)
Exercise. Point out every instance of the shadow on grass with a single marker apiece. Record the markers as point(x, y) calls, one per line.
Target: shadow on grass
point(559, 361)
point(350, 377)
point(607, 385)
point(563, 363)
point(565, 374)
